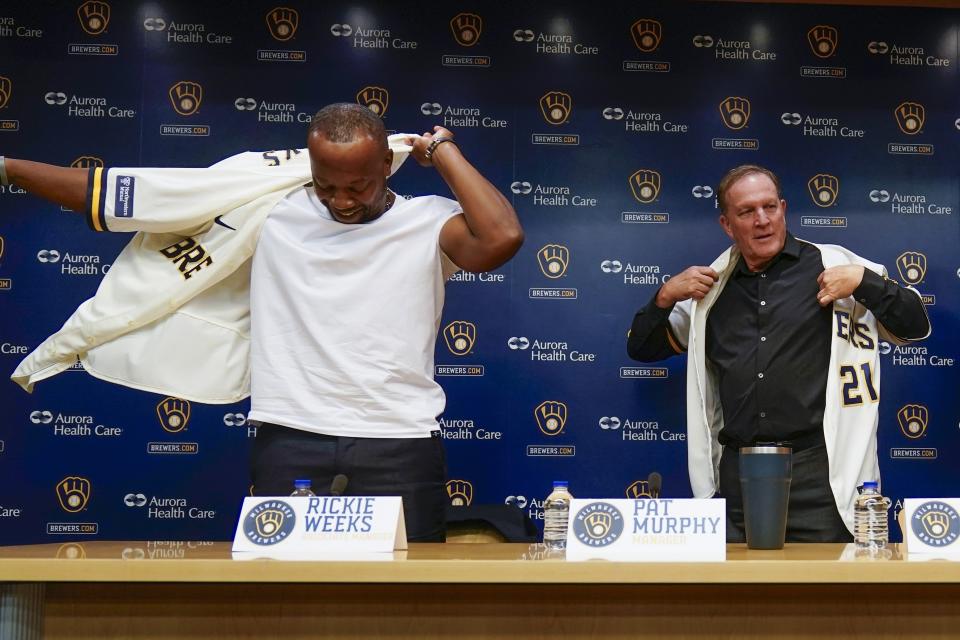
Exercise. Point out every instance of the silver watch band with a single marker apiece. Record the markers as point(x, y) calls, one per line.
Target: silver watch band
point(4, 180)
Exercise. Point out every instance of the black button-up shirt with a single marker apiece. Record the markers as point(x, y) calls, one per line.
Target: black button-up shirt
point(768, 342)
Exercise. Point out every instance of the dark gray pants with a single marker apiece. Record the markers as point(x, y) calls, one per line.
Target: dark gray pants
point(413, 468)
point(812, 513)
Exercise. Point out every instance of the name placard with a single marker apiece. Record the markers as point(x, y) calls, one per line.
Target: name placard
point(671, 530)
point(310, 526)
point(932, 527)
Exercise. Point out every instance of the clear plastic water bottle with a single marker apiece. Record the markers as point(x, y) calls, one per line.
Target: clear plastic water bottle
point(870, 528)
point(556, 515)
point(302, 488)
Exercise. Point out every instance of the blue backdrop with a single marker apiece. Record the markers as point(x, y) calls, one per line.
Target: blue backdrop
point(607, 125)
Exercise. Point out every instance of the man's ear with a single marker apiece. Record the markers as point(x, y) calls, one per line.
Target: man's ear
point(725, 225)
point(387, 163)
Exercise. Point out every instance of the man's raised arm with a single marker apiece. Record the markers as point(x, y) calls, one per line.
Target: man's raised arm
point(66, 186)
point(488, 233)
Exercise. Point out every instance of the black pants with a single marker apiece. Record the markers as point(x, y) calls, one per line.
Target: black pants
point(812, 514)
point(413, 468)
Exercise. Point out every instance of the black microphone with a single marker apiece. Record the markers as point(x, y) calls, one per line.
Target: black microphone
point(654, 480)
point(339, 485)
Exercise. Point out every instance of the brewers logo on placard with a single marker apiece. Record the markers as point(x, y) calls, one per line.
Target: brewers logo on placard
point(377, 99)
point(282, 23)
point(174, 414)
point(647, 34)
point(551, 416)
point(910, 117)
point(556, 107)
point(73, 492)
point(735, 112)
point(912, 266)
point(466, 28)
point(824, 189)
point(554, 260)
point(913, 419)
point(823, 40)
point(186, 96)
point(460, 337)
point(645, 185)
point(936, 523)
point(598, 524)
point(94, 16)
point(460, 493)
point(71, 551)
point(6, 90)
point(269, 522)
point(87, 162)
point(641, 489)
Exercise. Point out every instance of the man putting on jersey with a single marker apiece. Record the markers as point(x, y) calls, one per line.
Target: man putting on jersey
point(345, 281)
point(783, 340)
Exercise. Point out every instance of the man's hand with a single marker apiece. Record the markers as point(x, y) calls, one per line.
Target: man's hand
point(837, 283)
point(694, 282)
point(420, 144)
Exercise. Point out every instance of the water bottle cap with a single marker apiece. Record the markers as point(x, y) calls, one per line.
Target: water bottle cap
point(557, 484)
point(870, 484)
point(301, 483)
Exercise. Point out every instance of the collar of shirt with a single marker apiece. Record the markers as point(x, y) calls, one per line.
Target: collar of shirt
point(791, 249)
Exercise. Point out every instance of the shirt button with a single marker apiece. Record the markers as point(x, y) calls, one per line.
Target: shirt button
point(760, 375)
point(763, 275)
point(763, 303)
point(763, 338)
point(763, 414)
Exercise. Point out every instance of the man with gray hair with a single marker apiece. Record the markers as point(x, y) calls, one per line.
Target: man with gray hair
point(782, 338)
point(321, 301)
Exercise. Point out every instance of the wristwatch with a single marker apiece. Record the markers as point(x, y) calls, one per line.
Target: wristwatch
point(436, 143)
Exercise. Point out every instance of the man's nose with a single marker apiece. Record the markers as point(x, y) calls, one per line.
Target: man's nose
point(761, 218)
point(341, 200)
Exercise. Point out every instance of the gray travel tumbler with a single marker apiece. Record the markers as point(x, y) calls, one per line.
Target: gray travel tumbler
point(765, 485)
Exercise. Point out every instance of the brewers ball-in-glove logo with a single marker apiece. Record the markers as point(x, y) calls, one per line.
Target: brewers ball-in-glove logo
point(645, 185)
point(936, 523)
point(556, 107)
point(186, 96)
point(460, 493)
point(910, 117)
point(824, 189)
point(71, 551)
point(554, 260)
point(460, 337)
point(174, 414)
point(466, 28)
point(598, 524)
point(912, 267)
point(94, 16)
point(823, 40)
point(640, 490)
point(87, 162)
point(647, 34)
point(735, 112)
point(269, 522)
point(913, 419)
point(282, 23)
point(551, 416)
point(377, 99)
point(73, 492)
point(6, 90)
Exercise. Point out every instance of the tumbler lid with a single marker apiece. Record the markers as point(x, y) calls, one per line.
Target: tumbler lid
point(766, 449)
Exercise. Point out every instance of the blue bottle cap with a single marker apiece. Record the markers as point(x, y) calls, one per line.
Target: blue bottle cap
point(301, 483)
point(560, 483)
point(870, 484)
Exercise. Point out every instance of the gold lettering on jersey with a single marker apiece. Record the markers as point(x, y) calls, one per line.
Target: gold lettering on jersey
point(188, 255)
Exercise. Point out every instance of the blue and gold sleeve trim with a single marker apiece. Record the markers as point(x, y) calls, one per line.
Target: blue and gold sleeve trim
point(96, 199)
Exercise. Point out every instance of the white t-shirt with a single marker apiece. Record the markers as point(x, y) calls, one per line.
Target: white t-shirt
point(344, 318)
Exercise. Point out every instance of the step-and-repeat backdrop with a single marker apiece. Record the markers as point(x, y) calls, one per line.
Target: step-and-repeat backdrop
point(608, 126)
